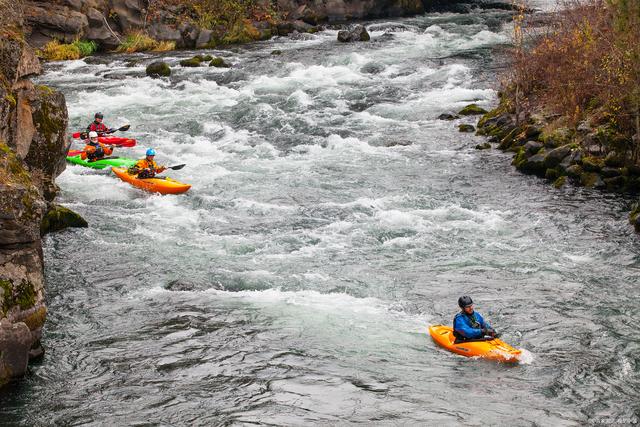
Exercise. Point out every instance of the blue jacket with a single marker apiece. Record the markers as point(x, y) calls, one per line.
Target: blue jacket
point(462, 325)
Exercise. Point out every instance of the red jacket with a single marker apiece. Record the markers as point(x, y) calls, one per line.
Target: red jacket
point(101, 128)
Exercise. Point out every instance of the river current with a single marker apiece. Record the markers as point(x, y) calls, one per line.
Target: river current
point(332, 219)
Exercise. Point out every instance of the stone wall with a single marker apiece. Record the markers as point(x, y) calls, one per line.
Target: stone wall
point(33, 122)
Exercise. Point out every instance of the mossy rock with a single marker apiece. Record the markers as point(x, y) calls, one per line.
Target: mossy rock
point(591, 180)
point(472, 110)
point(23, 294)
point(519, 158)
point(59, 218)
point(633, 184)
point(534, 165)
point(574, 171)
point(218, 63)
point(557, 137)
point(634, 170)
point(191, 62)
point(592, 164)
point(560, 182)
point(551, 174)
point(614, 160)
point(276, 52)
point(634, 216)
point(158, 69)
point(617, 183)
point(483, 146)
point(206, 58)
point(466, 128)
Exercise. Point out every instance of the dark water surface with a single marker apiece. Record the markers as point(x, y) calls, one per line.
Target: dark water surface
point(332, 219)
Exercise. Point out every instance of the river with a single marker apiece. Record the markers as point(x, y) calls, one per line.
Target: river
point(332, 219)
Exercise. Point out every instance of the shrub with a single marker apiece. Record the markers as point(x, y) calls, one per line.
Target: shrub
point(86, 47)
point(137, 41)
point(585, 66)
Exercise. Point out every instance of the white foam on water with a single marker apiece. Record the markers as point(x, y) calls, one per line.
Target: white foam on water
point(526, 357)
point(340, 304)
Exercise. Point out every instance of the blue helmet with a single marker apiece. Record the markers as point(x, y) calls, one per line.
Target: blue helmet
point(151, 152)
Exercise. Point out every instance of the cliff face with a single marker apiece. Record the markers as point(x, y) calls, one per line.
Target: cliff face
point(33, 121)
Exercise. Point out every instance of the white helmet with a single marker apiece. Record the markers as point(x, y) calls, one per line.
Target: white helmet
point(93, 134)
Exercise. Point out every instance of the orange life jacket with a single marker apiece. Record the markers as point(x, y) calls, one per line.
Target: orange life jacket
point(94, 152)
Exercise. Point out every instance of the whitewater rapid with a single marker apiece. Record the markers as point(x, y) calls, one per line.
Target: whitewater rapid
point(332, 218)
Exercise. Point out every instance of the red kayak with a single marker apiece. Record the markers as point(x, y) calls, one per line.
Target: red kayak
point(117, 141)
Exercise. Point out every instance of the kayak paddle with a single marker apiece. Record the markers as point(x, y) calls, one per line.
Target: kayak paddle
point(121, 129)
point(177, 167)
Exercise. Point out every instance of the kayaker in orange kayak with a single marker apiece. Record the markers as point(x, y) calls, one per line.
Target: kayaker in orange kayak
point(147, 167)
point(94, 150)
point(98, 126)
point(469, 325)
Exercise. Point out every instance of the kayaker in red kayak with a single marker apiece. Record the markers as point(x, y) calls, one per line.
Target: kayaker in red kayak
point(94, 150)
point(98, 126)
point(147, 167)
point(468, 325)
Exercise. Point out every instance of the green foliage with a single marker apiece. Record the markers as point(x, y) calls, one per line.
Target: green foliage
point(56, 51)
point(86, 47)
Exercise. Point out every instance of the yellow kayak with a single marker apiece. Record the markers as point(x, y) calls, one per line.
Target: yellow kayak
point(155, 185)
point(494, 349)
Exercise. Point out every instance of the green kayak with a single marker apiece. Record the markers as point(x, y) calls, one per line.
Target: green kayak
point(121, 162)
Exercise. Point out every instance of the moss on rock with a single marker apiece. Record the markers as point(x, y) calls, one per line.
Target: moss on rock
point(191, 62)
point(218, 63)
point(59, 218)
point(560, 182)
point(472, 110)
point(158, 69)
point(466, 128)
point(592, 164)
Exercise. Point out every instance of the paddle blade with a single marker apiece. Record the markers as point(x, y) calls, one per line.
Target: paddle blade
point(177, 167)
point(124, 128)
point(76, 135)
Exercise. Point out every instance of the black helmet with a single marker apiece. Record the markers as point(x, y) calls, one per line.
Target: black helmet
point(464, 301)
point(99, 116)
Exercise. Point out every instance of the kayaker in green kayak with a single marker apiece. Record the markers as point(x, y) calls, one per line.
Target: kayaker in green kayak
point(94, 150)
point(147, 167)
point(469, 325)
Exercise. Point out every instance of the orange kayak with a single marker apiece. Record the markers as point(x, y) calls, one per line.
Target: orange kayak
point(155, 185)
point(494, 349)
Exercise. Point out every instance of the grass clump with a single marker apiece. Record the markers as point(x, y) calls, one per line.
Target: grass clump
point(56, 51)
point(137, 41)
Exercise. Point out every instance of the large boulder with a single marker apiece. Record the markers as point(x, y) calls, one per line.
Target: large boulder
point(164, 32)
point(58, 218)
point(534, 165)
point(158, 69)
point(15, 342)
point(51, 21)
point(355, 34)
point(555, 156)
point(128, 14)
point(472, 110)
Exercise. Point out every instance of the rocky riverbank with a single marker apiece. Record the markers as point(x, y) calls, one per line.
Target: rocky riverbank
point(33, 145)
point(561, 155)
point(194, 23)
